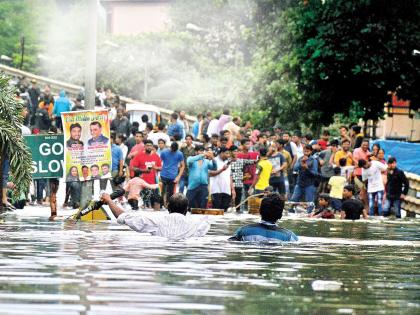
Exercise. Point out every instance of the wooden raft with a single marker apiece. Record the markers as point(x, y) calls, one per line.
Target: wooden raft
point(207, 211)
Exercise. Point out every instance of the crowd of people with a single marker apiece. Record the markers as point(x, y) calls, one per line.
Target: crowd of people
point(218, 161)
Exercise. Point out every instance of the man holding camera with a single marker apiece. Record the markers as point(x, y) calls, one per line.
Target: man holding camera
point(307, 169)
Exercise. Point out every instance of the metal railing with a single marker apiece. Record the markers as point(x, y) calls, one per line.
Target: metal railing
point(72, 89)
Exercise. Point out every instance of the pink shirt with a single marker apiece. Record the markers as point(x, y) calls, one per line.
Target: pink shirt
point(135, 185)
point(359, 154)
point(136, 149)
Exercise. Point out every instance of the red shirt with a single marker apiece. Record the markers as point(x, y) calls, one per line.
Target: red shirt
point(322, 144)
point(249, 171)
point(142, 161)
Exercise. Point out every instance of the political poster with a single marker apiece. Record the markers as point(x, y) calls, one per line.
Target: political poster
point(47, 155)
point(87, 145)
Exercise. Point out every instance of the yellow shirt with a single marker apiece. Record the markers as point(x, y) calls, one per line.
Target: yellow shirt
point(341, 154)
point(337, 184)
point(264, 168)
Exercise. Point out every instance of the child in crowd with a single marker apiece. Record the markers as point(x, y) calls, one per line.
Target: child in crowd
point(336, 185)
point(345, 171)
point(324, 210)
point(134, 187)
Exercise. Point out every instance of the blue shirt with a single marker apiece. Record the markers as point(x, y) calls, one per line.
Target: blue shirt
point(263, 232)
point(117, 156)
point(199, 174)
point(195, 129)
point(170, 164)
point(62, 104)
point(101, 140)
point(306, 177)
point(175, 129)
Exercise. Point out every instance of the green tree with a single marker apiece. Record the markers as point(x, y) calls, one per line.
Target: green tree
point(332, 54)
point(12, 145)
point(18, 21)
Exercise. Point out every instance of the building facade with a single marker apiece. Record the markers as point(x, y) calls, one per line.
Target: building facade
point(132, 17)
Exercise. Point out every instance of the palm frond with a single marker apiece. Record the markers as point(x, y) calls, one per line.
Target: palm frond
point(11, 139)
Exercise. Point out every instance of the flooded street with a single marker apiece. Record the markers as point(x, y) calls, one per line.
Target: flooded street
point(100, 268)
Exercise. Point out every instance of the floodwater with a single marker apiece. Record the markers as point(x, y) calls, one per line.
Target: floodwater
point(369, 267)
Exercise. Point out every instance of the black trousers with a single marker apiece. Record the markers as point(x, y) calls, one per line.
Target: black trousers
point(238, 197)
point(221, 201)
point(168, 187)
point(150, 196)
point(278, 185)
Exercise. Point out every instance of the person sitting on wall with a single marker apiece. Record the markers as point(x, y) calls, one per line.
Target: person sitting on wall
point(271, 210)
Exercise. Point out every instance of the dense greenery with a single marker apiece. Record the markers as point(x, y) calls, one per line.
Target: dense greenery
point(292, 63)
point(17, 23)
point(324, 57)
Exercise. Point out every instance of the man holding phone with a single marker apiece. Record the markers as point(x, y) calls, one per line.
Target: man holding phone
point(221, 183)
point(199, 166)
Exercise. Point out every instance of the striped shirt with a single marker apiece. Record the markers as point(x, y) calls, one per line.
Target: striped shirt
point(173, 226)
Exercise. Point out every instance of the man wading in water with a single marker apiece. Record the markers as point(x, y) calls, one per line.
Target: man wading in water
point(174, 225)
point(266, 231)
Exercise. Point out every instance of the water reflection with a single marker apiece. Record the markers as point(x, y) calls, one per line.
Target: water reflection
point(83, 268)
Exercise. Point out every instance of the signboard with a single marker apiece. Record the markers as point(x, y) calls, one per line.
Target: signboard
point(399, 107)
point(47, 155)
point(87, 145)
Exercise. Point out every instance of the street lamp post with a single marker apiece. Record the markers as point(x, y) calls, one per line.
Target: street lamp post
point(90, 74)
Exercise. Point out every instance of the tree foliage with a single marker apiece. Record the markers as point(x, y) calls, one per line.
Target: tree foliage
point(11, 140)
point(327, 56)
point(18, 21)
point(300, 62)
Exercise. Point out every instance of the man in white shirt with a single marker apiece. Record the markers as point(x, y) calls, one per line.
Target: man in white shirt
point(144, 121)
point(212, 128)
point(155, 136)
point(174, 224)
point(221, 183)
point(371, 171)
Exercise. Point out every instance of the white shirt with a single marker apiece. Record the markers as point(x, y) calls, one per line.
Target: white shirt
point(124, 150)
point(299, 149)
point(173, 226)
point(142, 126)
point(155, 136)
point(374, 176)
point(113, 113)
point(221, 183)
point(25, 130)
point(212, 128)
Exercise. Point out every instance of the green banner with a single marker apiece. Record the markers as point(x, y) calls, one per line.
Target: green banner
point(47, 155)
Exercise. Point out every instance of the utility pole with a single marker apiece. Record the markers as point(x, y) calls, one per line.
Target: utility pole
point(146, 78)
point(90, 75)
point(22, 51)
